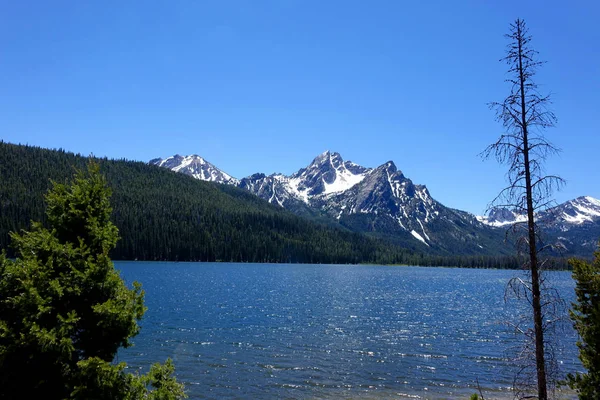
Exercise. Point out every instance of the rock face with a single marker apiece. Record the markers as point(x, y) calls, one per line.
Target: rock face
point(382, 201)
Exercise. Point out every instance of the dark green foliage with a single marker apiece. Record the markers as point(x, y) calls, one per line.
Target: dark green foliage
point(101, 380)
point(586, 317)
point(65, 311)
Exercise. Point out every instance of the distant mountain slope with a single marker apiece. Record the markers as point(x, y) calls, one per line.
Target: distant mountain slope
point(573, 213)
point(195, 166)
point(378, 201)
point(573, 226)
point(166, 216)
point(565, 216)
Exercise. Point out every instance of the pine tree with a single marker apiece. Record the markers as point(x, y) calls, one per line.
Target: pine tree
point(586, 317)
point(64, 309)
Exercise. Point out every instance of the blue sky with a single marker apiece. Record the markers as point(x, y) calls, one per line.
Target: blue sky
point(265, 86)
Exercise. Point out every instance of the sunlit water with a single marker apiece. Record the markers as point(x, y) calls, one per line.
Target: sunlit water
point(276, 331)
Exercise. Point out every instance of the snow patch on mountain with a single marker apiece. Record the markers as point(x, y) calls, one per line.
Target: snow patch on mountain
point(423, 229)
point(418, 237)
point(500, 223)
point(294, 185)
point(344, 180)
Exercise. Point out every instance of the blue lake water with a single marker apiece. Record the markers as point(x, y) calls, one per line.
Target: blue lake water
point(276, 331)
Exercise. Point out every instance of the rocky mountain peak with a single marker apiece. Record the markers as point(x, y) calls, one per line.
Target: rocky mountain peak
point(195, 166)
point(327, 173)
point(579, 211)
point(390, 166)
point(502, 216)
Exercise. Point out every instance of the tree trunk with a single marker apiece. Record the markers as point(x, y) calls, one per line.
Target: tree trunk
point(534, 267)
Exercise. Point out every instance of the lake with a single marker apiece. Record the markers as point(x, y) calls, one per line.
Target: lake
point(276, 331)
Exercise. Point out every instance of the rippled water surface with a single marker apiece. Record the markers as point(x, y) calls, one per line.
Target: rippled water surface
point(330, 331)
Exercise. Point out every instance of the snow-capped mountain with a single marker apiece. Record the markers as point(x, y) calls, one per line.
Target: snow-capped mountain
point(570, 214)
point(573, 226)
point(196, 167)
point(326, 174)
point(385, 191)
point(499, 217)
point(580, 211)
point(378, 200)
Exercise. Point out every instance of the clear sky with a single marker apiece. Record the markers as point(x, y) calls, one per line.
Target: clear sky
point(265, 86)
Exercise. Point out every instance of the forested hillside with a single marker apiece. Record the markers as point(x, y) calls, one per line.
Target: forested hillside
point(162, 215)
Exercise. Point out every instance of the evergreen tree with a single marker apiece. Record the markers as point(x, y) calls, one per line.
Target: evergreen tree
point(586, 317)
point(65, 311)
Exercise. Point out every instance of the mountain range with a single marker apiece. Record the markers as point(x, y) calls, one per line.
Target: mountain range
point(383, 202)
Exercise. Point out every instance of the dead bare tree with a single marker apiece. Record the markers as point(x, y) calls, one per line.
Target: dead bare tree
point(554, 317)
point(524, 114)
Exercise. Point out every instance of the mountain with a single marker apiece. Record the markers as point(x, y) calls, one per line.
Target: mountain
point(574, 213)
point(576, 225)
point(196, 167)
point(501, 217)
point(378, 201)
point(570, 214)
point(573, 226)
point(327, 174)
